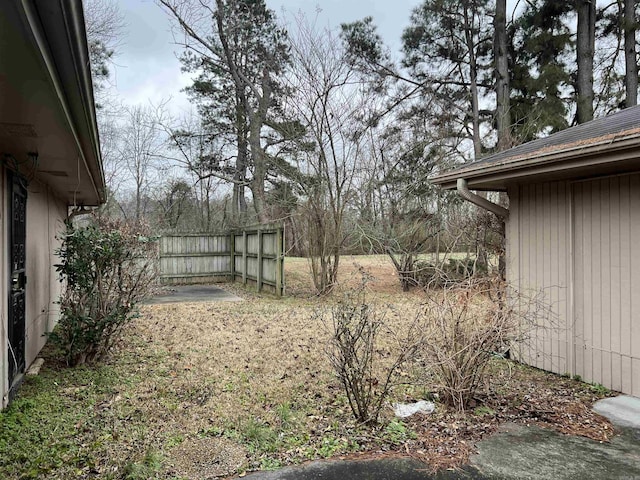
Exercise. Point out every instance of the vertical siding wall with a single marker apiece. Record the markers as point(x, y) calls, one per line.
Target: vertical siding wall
point(539, 268)
point(45, 221)
point(577, 246)
point(255, 255)
point(607, 282)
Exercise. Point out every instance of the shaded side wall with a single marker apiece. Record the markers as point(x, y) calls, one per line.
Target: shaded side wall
point(539, 268)
point(607, 282)
point(45, 221)
point(576, 246)
point(4, 289)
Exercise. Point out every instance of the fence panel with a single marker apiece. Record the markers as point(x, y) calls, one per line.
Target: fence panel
point(254, 255)
point(194, 258)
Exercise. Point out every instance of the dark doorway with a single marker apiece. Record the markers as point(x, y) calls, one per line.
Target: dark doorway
point(17, 276)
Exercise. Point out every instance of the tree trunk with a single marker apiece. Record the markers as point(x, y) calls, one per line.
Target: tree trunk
point(631, 71)
point(473, 80)
point(584, 50)
point(239, 206)
point(501, 61)
point(257, 119)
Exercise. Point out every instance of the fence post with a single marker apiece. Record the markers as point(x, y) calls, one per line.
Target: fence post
point(279, 262)
point(161, 268)
point(244, 257)
point(232, 254)
point(260, 249)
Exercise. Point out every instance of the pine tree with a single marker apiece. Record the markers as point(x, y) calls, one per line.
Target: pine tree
point(237, 52)
point(447, 48)
point(541, 80)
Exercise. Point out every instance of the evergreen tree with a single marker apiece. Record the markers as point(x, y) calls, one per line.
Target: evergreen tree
point(629, 27)
point(501, 73)
point(585, 47)
point(447, 49)
point(237, 52)
point(616, 68)
point(541, 81)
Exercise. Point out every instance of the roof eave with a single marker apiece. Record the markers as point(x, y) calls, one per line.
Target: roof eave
point(512, 169)
point(70, 60)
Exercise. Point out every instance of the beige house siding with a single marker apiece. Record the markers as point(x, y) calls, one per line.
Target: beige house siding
point(538, 239)
point(607, 282)
point(45, 217)
point(45, 221)
point(577, 246)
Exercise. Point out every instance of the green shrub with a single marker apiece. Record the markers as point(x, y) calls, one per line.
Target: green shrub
point(108, 267)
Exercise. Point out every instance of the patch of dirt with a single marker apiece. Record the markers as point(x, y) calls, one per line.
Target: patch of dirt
point(514, 394)
point(553, 401)
point(206, 458)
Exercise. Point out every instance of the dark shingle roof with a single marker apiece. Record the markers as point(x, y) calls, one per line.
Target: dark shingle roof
point(614, 125)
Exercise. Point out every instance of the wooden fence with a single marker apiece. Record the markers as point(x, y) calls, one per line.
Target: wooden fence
point(254, 255)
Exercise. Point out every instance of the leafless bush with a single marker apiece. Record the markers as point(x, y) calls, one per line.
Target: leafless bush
point(356, 326)
point(468, 324)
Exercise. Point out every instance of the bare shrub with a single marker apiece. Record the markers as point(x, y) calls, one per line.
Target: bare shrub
point(356, 326)
point(466, 325)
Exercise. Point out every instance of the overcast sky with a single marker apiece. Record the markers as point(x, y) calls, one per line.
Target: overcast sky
point(147, 68)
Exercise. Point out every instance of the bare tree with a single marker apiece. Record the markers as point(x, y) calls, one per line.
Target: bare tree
point(174, 199)
point(104, 25)
point(142, 141)
point(329, 102)
point(198, 153)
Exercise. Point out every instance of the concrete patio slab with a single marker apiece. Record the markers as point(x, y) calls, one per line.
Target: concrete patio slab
point(623, 411)
point(193, 293)
point(519, 452)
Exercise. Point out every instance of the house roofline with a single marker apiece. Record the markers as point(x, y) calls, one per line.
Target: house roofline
point(76, 54)
point(558, 160)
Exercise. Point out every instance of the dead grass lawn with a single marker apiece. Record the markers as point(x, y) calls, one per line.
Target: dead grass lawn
point(216, 389)
point(247, 385)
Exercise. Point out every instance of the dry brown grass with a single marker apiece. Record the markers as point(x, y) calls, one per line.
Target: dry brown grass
point(384, 277)
point(247, 385)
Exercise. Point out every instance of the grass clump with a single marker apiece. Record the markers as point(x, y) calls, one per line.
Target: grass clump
point(39, 431)
point(146, 468)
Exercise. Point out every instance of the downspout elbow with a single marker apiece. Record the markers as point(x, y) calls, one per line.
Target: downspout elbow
point(463, 190)
point(81, 210)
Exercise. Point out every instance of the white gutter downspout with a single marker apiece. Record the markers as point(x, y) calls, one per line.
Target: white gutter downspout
point(464, 192)
point(81, 210)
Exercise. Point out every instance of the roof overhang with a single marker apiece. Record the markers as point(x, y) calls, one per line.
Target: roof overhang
point(48, 126)
point(595, 149)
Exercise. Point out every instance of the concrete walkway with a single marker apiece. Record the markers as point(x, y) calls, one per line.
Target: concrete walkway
point(193, 293)
point(517, 452)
